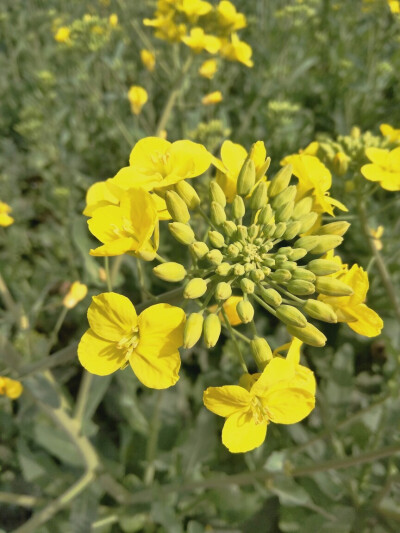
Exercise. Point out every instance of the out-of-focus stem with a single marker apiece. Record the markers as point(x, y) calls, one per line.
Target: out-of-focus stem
point(151, 448)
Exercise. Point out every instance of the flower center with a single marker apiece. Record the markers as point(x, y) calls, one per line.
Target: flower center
point(128, 344)
point(260, 413)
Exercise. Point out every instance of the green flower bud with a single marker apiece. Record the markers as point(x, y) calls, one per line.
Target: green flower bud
point(281, 275)
point(320, 311)
point(212, 330)
point(303, 207)
point(302, 273)
point(217, 194)
point(258, 275)
point(334, 228)
point(332, 287)
point(288, 265)
point(291, 316)
point(292, 229)
point(215, 257)
point(268, 260)
point(323, 267)
point(232, 251)
point(261, 351)
point(300, 287)
point(326, 243)
point(229, 228)
point(309, 335)
point(266, 270)
point(241, 233)
point(238, 208)
point(238, 245)
point(265, 215)
point(269, 230)
point(247, 286)
point(284, 197)
point(188, 194)
point(340, 163)
point(271, 296)
point(223, 269)
point(246, 178)
point(172, 272)
point(245, 311)
point(195, 288)
point(297, 254)
point(181, 232)
point(279, 230)
point(223, 291)
point(308, 242)
point(216, 239)
point(280, 257)
point(177, 207)
point(284, 212)
point(217, 212)
point(199, 249)
point(193, 329)
point(253, 231)
point(259, 196)
point(249, 267)
point(308, 221)
point(238, 270)
point(280, 181)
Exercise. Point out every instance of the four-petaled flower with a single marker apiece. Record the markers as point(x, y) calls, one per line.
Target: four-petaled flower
point(385, 167)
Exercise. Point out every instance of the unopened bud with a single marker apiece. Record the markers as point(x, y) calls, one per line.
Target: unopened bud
point(217, 212)
point(188, 194)
point(271, 296)
point(233, 251)
point(242, 233)
point(320, 311)
point(334, 228)
point(238, 208)
point(181, 232)
point(193, 329)
point(217, 194)
point(261, 351)
point(247, 286)
point(216, 239)
point(284, 212)
point(238, 270)
point(223, 269)
point(253, 231)
point(332, 287)
point(265, 215)
point(223, 291)
point(229, 228)
point(281, 275)
point(302, 207)
point(246, 178)
point(340, 163)
point(263, 168)
point(270, 229)
point(307, 221)
point(284, 197)
point(215, 257)
point(309, 335)
point(323, 267)
point(259, 196)
point(177, 207)
point(288, 265)
point(302, 273)
point(195, 288)
point(172, 272)
point(292, 230)
point(280, 229)
point(280, 181)
point(326, 243)
point(212, 330)
point(291, 316)
point(245, 311)
point(308, 242)
point(297, 254)
point(257, 275)
point(300, 287)
point(199, 249)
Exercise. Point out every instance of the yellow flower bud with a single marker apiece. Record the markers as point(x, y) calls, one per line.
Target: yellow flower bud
point(113, 20)
point(281, 275)
point(323, 267)
point(212, 330)
point(261, 351)
point(217, 212)
point(217, 194)
point(172, 272)
point(265, 215)
point(212, 98)
point(326, 243)
point(320, 311)
point(182, 232)
point(291, 316)
point(332, 287)
point(148, 59)
point(215, 257)
point(271, 296)
point(76, 293)
point(193, 330)
point(195, 288)
point(238, 269)
point(285, 196)
point(177, 207)
point(257, 275)
point(238, 208)
point(208, 68)
point(300, 287)
point(245, 311)
point(223, 291)
point(334, 228)
point(233, 251)
point(10, 388)
point(223, 269)
point(340, 163)
point(280, 181)
point(307, 221)
point(302, 273)
point(247, 286)
point(229, 228)
point(259, 196)
point(309, 335)
point(241, 232)
point(216, 239)
point(247, 177)
point(188, 194)
point(137, 97)
point(199, 249)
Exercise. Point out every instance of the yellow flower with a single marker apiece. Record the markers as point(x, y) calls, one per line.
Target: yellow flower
point(394, 6)
point(377, 234)
point(148, 342)
point(229, 307)
point(128, 227)
point(194, 9)
point(208, 68)
point(148, 59)
point(385, 167)
point(391, 133)
point(313, 176)
point(165, 27)
point(113, 20)
point(11, 388)
point(137, 97)
point(212, 98)
point(352, 309)
point(199, 41)
point(62, 35)
point(156, 163)
point(233, 156)
point(284, 394)
point(237, 50)
point(229, 18)
point(5, 219)
point(76, 293)
point(310, 149)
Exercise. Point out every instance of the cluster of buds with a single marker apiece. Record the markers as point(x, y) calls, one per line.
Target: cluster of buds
point(267, 247)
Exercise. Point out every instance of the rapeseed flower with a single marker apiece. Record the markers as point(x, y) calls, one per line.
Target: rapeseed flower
point(76, 293)
point(237, 50)
point(198, 41)
point(5, 218)
point(148, 59)
point(229, 18)
point(212, 98)
point(137, 97)
point(284, 393)
point(118, 337)
point(392, 134)
point(193, 9)
point(384, 167)
point(113, 20)
point(376, 235)
point(208, 69)
point(394, 6)
point(62, 35)
point(11, 388)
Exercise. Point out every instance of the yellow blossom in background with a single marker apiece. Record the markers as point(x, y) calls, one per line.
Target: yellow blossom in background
point(76, 293)
point(237, 50)
point(208, 68)
point(11, 388)
point(311, 149)
point(165, 27)
point(156, 163)
point(118, 337)
point(5, 218)
point(391, 133)
point(137, 97)
point(281, 394)
point(148, 59)
point(193, 9)
point(394, 6)
point(212, 98)
point(385, 167)
point(62, 34)
point(229, 18)
point(199, 41)
point(113, 20)
point(377, 234)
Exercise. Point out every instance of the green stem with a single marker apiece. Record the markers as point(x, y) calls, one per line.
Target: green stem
point(82, 398)
point(161, 259)
point(235, 342)
point(263, 304)
point(151, 448)
point(115, 269)
point(23, 500)
point(108, 276)
point(57, 327)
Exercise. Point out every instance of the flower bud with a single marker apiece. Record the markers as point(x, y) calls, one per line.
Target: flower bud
point(269, 230)
point(265, 215)
point(340, 163)
point(332, 287)
point(238, 208)
point(188, 194)
point(261, 351)
point(76, 293)
point(291, 316)
point(281, 275)
point(268, 260)
point(307, 221)
point(238, 269)
point(326, 243)
point(334, 228)
point(216, 239)
point(308, 242)
point(172, 272)
point(263, 168)
point(284, 197)
point(199, 249)
point(302, 273)
point(223, 269)
point(246, 178)
point(292, 229)
point(245, 311)
point(303, 207)
point(320, 311)
point(266, 270)
point(309, 335)
point(229, 228)
point(323, 267)
point(280, 229)
point(284, 212)
point(297, 254)
point(223, 291)
point(241, 233)
point(300, 287)
point(247, 286)
point(253, 231)
point(218, 215)
point(271, 296)
point(288, 265)
point(233, 251)
point(280, 181)
point(217, 194)
point(181, 232)
point(212, 330)
point(193, 329)
point(177, 207)
point(215, 257)
point(259, 196)
point(249, 267)
point(257, 275)
point(195, 288)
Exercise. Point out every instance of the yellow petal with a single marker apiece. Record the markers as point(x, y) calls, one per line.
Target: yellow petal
point(233, 156)
point(139, 208)
point(394, 160)
point(112, 316)
point(378, 156)
point(357, 279)
point(99, 356)
point(288, 405)
point(368, 322)
point(259, 154)
point(117, 247)
point(226, 400)
point(156, 372)
point(241, 434)
point(99, 195)
point(141, 155)
point(192, 159)
point(105, 222)
point(277, 370)
point(293, 354)
point(131, 178)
